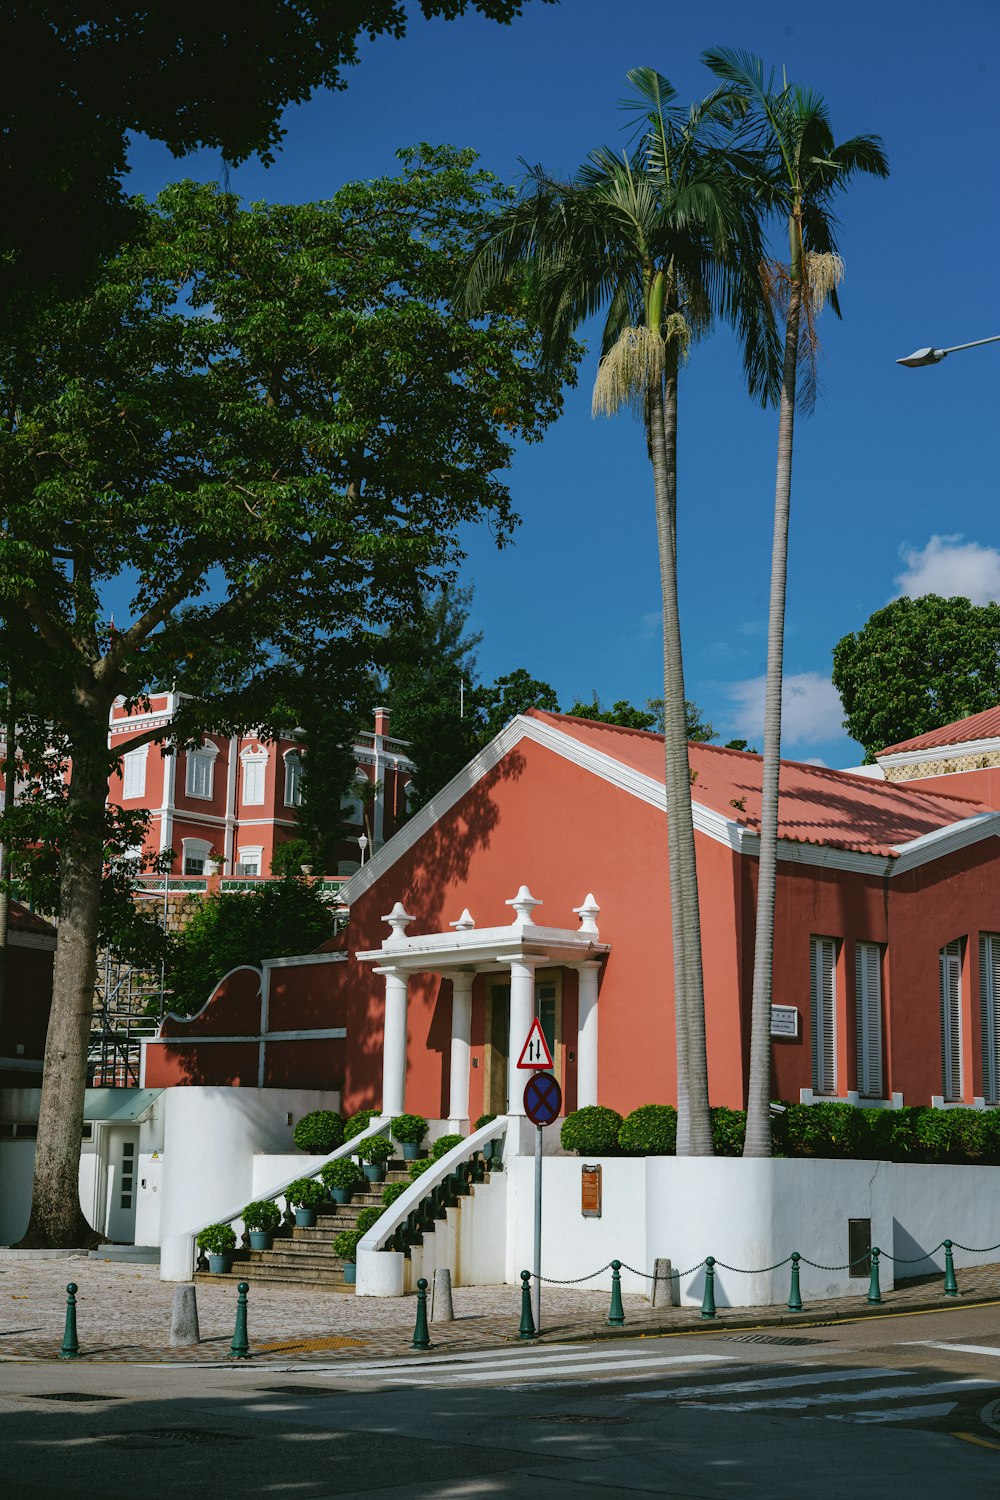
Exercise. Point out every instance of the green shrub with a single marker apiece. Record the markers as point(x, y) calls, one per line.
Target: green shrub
point(377, 1148)
point(418, 1168)
point(650, 1130)
point(305, 1192)
point(367, 1217)
point(445, 1143)
point(319, 1132)
point(343, 1173)
point(392, 1191)
point(729, 1128)
point(591, 1131)
point(217, 1239)
point(409, 1130)
point(288, 858)
point(484, 1120)
point(360, 1122)
point(264, 1215)
point(345, 1244)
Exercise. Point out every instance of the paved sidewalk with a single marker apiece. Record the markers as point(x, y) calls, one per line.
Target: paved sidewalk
point(123, 1315)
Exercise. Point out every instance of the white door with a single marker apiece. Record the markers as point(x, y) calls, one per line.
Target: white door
point(121, 1183)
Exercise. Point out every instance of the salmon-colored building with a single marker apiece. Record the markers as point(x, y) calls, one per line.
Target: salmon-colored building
point(536, 883)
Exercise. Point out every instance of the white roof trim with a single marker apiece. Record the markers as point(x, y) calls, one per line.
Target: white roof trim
point(650, 790)
point(485, 946)
point(938, 752)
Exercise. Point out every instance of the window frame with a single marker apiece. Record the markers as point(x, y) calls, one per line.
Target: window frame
point(989, 1013)
point(868, 958)
point(950, 962)
point(206, 756)
point(823, 1037)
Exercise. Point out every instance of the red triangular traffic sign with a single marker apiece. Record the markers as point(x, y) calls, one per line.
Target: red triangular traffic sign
point(535, 1053)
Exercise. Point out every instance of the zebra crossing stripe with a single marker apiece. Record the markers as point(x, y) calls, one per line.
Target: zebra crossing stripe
point(956, 1348)
point(481, 1367)
point(828, 1398)
point(772, 1382)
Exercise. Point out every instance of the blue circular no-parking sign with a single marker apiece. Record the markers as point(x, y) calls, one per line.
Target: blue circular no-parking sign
point(542, 1098)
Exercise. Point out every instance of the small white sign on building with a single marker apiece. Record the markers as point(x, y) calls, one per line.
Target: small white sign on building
point(785, 1021)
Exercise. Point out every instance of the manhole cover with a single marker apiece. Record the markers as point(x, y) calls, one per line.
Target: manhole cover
point(181, 1435)
point(577, 1418)
point(768, 1338)
point(70, 1396)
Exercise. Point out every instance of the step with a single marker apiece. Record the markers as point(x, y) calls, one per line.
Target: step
point(326, 1281)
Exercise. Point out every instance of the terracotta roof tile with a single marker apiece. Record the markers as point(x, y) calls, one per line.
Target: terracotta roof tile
point(984, 726)
point(23, 920)
point(817, 805)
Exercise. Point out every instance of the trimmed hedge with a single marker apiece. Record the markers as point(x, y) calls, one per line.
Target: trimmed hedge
point(591, 1131)
point(650, 1130)
point(319, 1132)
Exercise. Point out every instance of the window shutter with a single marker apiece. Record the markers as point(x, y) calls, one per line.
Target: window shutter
point(951, 1021)
point(868, 995)
point(293, 782)
point(199, 774)
point(989, 1001)
point(134, 774)
point(822, 984)
point(253, 782)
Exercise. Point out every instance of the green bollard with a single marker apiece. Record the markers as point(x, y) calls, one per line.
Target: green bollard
point(794, 1294)
point(421, 1337)
point(240, 1347)
point(616, 1317)
point(874, 1290)
point(708, 1301)
point(527, 1328)
point(950, 1284)
point(70, 1344)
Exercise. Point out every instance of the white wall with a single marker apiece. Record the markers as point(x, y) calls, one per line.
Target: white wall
point(572, 1245)
point(931, 1204)
point(17, 1164)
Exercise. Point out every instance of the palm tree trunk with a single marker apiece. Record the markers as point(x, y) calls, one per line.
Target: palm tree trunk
point(694, 1125)
point(758, 1136)
point(57, 1220)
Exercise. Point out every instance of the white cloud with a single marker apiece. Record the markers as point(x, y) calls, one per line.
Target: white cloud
point(651, 624)
point(810, 709)
point(948, 565)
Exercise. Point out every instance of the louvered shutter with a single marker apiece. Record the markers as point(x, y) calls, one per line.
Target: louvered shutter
point(822, 975)
point(989, 1000)
point(951, 1021)
point(868, 995)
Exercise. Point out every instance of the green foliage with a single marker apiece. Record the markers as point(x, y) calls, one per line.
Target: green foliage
point(377, 1148)
point(264, 1215)
point(359, 1122)
point(443, 1144)
point(367, 1218)
point(217, 1239)
point(409, 1129)
point(484, 1120)
point(343, 1173)
point(306, 1192)
point(345, 1244)
point(650, 1130)
point(916, 665)
point(728, 1130)
point(320, 1132)
point(392, 1191)
point(289, 857)
point(418, 1168)
point(275, 920)
point(623, 713)
point(591, 1131)
point(511, 694)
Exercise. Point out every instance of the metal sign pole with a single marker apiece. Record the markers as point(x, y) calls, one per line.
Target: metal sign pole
point(538, 1230)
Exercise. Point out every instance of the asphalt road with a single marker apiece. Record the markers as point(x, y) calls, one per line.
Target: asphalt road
point(901, 1406)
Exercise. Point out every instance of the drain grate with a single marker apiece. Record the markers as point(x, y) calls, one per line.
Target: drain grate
point(69, 1396)
point(768, 1338)
point(577, 1419)
point(181, 1435)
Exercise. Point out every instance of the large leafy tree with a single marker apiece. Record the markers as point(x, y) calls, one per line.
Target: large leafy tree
point(801, 170)
point(915, 665)
point(77, 78)
point(658, 239)
point(274, 417)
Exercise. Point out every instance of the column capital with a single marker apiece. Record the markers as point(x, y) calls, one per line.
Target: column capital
point(526, 964)
point(588, 965)
point(391, 971)
point(461, 979)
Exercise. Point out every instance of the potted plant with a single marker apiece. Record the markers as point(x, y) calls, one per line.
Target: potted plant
point(444, 1144)
point(409, 1131)
point(359, 1122)
point(213, 862)
point(305, 1195)
point(374, 1153)
point(342, 1178)
point(261, 1219)
point(319, 1132)
point(218, 1242)
point(345, 1245)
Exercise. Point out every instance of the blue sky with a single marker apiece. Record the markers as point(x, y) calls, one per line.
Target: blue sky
point(896, 476)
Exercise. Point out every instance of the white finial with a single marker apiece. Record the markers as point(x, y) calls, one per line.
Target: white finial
point(587, 912)
point(465, 921)
point(397, 919)
point(524, 904)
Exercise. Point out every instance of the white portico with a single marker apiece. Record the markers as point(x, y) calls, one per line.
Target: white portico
point(513, 954)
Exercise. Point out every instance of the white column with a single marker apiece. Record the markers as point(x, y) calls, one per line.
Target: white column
point(394, 1042)
point(461, 1037)
point(522, 1013)
point(586, 1044)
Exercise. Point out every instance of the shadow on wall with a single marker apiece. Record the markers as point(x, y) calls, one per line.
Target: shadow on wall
point(232, 1010)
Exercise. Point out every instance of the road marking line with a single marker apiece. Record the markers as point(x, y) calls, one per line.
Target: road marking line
point(797, 1403)
point(461, 1366)
point(958, 1348)
point(896, 1414)
point(583, 1368)
point(970, 1437)
point(775, 1382)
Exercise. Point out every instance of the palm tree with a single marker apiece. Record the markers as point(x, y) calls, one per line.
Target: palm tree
point(802, 169)
point(658, 238)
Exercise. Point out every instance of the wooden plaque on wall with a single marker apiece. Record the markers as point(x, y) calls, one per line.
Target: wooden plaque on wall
point(590, 1192)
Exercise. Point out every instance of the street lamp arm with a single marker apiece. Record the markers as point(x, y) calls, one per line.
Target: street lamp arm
point(935, 356)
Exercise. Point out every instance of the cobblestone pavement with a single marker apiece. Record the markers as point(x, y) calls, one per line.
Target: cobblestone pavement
point(123, 1314)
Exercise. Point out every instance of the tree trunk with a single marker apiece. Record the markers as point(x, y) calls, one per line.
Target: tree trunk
point(57, 1220)
point(758, 1136)
point(694, 1125)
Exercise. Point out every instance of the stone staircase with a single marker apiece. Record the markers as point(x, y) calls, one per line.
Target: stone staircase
point(304, 1257)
